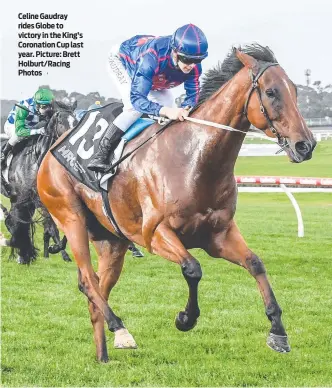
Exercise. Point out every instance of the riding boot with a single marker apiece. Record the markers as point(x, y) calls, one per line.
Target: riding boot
point(8, 147)
point(107, 146)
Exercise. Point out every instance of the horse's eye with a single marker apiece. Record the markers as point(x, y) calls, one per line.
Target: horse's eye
point(270, 93)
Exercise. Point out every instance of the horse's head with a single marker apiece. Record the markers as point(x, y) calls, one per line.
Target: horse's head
point(271, 106)
point(62, 119)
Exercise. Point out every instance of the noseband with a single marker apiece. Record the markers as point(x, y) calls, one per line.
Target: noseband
point(255, 86)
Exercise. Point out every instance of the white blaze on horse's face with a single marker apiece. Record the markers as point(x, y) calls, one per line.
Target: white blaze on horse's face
point(71, 122)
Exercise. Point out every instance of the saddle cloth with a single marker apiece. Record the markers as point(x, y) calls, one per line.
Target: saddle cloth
point(75, 151)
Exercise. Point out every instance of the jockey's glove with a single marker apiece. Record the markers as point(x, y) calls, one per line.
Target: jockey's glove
point(41, 124)
point(39, 128)
point(39, 131)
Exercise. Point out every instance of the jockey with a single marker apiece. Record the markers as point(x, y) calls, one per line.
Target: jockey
point(144, 68)
point(30, 121)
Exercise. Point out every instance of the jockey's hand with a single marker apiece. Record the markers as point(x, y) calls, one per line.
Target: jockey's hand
point(174, 113)
point(38, 131)
point(39, 128)
point(41, 124)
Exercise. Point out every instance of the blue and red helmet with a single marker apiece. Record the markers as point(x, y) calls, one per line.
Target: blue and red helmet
point(190, 41)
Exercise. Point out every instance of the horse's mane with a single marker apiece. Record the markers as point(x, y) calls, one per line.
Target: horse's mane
point(63, 106)
point(214, 78)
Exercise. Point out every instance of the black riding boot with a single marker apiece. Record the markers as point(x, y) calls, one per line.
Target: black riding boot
point(8, 147)
point(107, 146)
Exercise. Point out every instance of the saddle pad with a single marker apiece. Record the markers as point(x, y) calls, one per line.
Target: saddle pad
point(75, 151)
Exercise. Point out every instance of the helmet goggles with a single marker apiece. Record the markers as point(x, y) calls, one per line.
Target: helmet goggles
point(189, 60)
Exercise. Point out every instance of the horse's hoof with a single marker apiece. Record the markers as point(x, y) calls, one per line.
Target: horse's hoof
point(279, 343)
point(20, 260)
point(124, 340)
point(103, 359)
point(54, 249)
point(137, 254)
point(66, 257)
point(182, 322)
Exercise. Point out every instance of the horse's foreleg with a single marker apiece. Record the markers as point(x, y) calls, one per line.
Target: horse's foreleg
point(111, 253)
point(52, 231)
point(4, 210)
point(3, 241)
point(233, 247)
point(165, 243)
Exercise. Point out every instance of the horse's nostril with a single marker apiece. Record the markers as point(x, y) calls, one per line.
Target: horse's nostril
point(303, 147)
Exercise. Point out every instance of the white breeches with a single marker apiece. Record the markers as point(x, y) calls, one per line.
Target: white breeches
point(10, 132)
point(122, 80)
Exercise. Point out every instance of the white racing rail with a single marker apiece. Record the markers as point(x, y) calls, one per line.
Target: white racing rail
point(304, 185)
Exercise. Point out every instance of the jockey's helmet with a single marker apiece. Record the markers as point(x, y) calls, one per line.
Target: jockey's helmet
point(190, 43)
point(44, 102)
point(43, 97)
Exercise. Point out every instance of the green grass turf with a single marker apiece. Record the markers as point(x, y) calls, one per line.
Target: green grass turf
point(47, 335)
point(319, 166)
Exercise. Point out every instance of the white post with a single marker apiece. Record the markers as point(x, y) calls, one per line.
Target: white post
point(300, 227)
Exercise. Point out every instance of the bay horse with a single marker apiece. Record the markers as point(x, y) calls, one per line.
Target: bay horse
point(179, 192)
point(22, 191)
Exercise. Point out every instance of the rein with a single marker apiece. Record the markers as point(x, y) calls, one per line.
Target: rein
point(212, 124)
point(255, 86)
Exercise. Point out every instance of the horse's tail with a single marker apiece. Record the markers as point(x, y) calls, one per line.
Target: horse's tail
point(23, 247)
point(21, 225)
point(22, 228)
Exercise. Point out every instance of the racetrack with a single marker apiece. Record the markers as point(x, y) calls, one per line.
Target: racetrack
point(47, 336)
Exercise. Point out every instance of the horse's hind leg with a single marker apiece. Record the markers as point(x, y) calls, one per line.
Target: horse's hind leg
point(233, 247)
point(72, 218)
point(111, 253)
point(166, 243)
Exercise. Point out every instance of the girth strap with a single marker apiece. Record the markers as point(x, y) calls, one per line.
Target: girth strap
point(109, 214)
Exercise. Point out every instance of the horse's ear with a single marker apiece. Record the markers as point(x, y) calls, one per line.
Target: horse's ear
point(247, 60)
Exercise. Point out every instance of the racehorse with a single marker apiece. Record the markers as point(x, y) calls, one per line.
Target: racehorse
point(22, 191)
point(179, 192)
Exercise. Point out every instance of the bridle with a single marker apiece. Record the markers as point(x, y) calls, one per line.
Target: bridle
point(255, 86)
point(55, 119)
